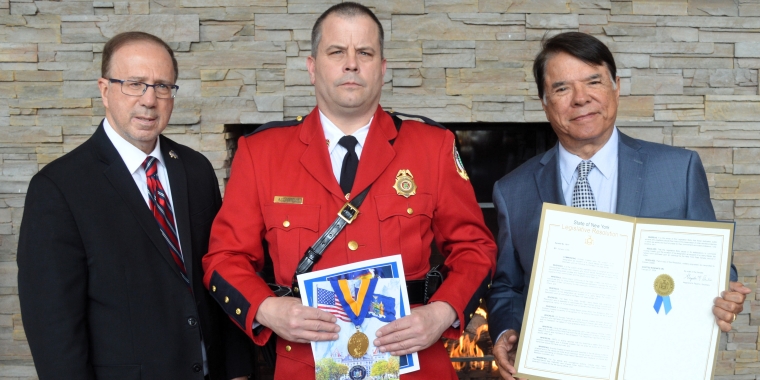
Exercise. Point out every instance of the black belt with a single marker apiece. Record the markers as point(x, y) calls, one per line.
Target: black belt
point(420, 291)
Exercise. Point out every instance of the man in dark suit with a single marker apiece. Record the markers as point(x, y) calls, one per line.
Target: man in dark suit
point(575, 75)
point(110, 248)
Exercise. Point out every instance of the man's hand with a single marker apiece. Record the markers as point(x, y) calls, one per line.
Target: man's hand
point(504, 351)
point(729, 305)
point(297, 323)
point(241, 378)
point(416, 331)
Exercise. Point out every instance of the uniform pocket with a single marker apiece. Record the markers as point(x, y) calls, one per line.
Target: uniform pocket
point(403, 223)
point(291, 229)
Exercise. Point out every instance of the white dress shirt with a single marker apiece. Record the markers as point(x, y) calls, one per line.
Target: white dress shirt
point(337, 152)
point(133, 157)
point(603, 178)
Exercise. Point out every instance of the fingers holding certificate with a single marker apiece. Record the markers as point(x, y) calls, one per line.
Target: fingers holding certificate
point(729, 305)
point(504, 352)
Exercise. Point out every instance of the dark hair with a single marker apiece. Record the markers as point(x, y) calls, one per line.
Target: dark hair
point(585, 47)
point(347, 9)
point(125, 38)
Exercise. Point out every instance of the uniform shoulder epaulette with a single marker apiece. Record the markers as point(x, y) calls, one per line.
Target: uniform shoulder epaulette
point(426, 120)
point(277, 124)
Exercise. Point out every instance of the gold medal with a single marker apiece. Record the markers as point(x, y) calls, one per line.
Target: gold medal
point(405, 185)
point(358, 344)
point(664, 285)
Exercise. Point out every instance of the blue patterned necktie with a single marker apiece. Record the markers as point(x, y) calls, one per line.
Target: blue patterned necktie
point(583, 197)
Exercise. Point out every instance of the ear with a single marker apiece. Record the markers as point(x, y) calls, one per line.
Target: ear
point(311, 65)
point(384, 66)
point(617, 88)
point(103, 86)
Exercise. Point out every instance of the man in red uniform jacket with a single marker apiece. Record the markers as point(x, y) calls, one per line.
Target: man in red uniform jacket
point(286, 189)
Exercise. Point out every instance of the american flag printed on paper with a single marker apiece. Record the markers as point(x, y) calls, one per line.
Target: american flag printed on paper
point(328, 301)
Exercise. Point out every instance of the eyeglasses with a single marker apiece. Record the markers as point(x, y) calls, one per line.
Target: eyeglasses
point(133, 88)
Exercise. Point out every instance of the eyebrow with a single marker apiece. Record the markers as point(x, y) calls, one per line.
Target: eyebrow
point(142, 79)
point(360, 48)
point(590, 77)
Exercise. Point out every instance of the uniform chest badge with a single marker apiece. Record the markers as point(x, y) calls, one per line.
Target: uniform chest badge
point(459, 165)
point(405, 183)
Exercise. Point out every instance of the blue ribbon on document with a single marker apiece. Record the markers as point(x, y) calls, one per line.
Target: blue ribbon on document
point(355, 307)
point(659, 301)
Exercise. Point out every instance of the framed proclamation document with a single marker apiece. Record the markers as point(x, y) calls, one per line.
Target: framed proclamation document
point(616, 297)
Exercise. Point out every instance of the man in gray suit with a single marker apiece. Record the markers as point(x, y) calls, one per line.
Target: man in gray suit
point(575, 75)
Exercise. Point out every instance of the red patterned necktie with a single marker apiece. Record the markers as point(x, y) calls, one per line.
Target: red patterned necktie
point(162, 211)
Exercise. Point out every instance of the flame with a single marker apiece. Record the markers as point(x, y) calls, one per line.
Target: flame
point(466, 347)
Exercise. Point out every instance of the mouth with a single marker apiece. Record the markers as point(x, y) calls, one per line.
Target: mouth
point(584, 117)
point(145, 120)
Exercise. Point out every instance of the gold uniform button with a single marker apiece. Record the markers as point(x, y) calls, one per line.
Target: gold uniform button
point(295, 289)
point(237, 311)
point(480, 300)
point(226, 299)
point(489, 286)
point(470, 315)
point(213, 288)
point(409, 211)
point(288, 348)
point(299, 118)
point(286, 224)
point(353, 245)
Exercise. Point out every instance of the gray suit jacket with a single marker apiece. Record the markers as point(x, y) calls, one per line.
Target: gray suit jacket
point(654, 181)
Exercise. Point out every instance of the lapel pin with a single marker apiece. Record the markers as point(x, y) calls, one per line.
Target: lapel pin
point(172, 154)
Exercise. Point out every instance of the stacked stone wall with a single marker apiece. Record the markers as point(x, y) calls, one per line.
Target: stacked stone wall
point(689, 78)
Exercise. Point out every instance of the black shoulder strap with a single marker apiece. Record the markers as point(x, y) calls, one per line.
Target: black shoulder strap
point(277, 124)
point(395, 115)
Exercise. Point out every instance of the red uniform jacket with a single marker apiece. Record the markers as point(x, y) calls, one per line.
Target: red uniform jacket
point(294, 161)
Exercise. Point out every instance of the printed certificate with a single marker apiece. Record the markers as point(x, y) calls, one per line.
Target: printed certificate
point(617, 297)
point(363, 296)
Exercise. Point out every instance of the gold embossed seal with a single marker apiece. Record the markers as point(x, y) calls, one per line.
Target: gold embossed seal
point(358, 344)
point(405, 185)
point(664, 285)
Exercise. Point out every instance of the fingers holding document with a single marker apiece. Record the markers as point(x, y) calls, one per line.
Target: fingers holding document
point(504, 352)
point(729, 305)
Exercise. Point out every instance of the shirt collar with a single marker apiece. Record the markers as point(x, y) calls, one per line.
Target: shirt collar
point(606, 159)
point(132, 156)
point(333, 133)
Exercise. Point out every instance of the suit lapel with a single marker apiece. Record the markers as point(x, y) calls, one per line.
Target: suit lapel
point(377, 152)
point(178, 180)
point(315, 158)
point(548, 178)
point(123, 183)
point(631, 171)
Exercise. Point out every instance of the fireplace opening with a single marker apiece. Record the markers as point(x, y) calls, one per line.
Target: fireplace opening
point(488, 151)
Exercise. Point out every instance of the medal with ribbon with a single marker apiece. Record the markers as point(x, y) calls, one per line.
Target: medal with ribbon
point(356, 309)
point(663, 286)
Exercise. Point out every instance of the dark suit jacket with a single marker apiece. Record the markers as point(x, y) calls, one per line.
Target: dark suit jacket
point(101, 296)
point(654, 181)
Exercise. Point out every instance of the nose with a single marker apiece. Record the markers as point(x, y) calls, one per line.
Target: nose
point(149, 98)
point(351, 63)
point(580, 95)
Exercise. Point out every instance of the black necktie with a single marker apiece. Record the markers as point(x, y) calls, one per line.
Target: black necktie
point(350, 163)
